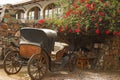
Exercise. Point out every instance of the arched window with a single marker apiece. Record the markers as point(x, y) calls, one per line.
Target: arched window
point(34, 13)
point(20, 14)
point(52, 11)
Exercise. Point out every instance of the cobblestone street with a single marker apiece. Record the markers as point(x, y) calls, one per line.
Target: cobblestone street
point(65, 75)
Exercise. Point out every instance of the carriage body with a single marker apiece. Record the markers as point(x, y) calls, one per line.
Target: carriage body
point(34, 40)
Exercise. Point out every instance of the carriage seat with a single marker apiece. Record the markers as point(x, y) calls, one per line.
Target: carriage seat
point(58, 47)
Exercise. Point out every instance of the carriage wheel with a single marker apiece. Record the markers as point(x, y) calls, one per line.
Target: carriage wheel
point(72, 63)
point(37, 66)
point(12, 62)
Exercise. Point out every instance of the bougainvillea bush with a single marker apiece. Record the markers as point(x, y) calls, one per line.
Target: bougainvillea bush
point(89, 17)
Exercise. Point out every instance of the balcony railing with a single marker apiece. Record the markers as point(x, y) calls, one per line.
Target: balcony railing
point(27, 21)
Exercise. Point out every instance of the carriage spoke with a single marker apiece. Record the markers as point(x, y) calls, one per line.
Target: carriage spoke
point(8, 59)
point(15, 68)
point(10, 69)
point(42, 72)
point(44, 61)
point(37, 74)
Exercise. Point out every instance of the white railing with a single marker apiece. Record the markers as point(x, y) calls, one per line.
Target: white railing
point(27, 21)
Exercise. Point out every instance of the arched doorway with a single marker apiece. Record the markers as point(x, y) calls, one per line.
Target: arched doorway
point(34, 13)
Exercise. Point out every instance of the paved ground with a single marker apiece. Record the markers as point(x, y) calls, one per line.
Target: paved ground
point(65, 75)
point(85, 75)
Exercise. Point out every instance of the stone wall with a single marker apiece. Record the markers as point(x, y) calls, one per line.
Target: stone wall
point(103, 54)
point(112, 56)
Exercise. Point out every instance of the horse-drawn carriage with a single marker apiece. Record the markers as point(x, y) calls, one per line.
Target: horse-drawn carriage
point(36, 45)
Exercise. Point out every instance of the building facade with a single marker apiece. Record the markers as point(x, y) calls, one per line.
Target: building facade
point(32, 11)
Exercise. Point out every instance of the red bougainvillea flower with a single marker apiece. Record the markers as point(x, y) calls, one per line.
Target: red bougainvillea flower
point(101, 13)
point(41, 21)
point(114, 32)
point(107, 32)
point(97, 31)
point(100, 19)
point(69, 12)
point(74, 5)
point(61, 29)
point(70, 30)
point(118, 10)
point(77, 12)
point(77, 30)
point(105, 4)
point(118, 34)
point(91, 8)
point(92, 18)
point(67, 27)
point(80, 12)
point(64, 16)
point(88, 5)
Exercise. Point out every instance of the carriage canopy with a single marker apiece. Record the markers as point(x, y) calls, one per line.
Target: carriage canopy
point(44, 38)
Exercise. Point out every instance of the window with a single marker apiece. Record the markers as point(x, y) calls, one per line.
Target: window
point(31, 15)
point(20, 14)
point(52, 11)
